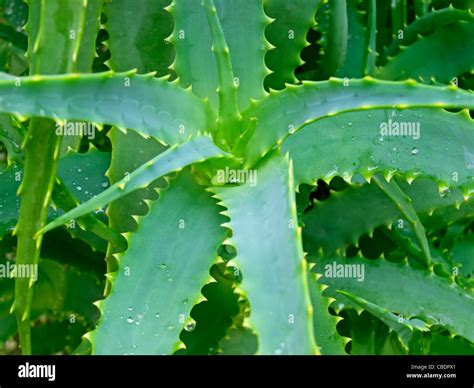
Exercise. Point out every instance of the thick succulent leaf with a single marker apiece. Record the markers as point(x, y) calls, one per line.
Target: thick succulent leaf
point(47, 56)
point(159, 280)
point(287, 33)
point(399, 15)
point(453, 41)
point(419, 293)
point(175, 158)
point(367, 142)
point(404, 204)
point(62, 39)
point(229, 115)
point(149, 105)
point(266, 235)
point(86, 181)
point(421, 7)
point(247, 45)
point(95, 164)
point(328, 339)
point(336, 46)
point(371, 51)
point(194, 62)
point(84, 173)
point(88, 33)
point(426, 24)
point(353, 64)
point(121, 211)
point(137, 33)
point(461, 4)
point(405, 328)
point(346, 215)
point(282, 113)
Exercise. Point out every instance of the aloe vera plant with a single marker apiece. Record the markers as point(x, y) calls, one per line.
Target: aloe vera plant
point(228, 177)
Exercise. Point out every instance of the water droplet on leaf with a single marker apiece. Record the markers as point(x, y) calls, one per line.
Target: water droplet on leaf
point(190, 326)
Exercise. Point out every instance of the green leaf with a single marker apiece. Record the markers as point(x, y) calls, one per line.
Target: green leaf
point(284, 112)
point(287, 33)
point(164, 280)
point(402, 289)
point(122, 210)
point(426, 25)
point(90, 29)
point(405, 328)
point(175, 158)
point(89, 178)
point(353, 65)
point(84, 173)
point(229, 115)
point(62, 38)
point(367, 143)
point(371, 51)
point(346, 215)
point(194, 62)
point(399, 15)
point(404, 205)
point(327, 338)
point(451, 41)
point(336, 45)
point(281, 316)
point(137, 34)
point(422, 7)
point(151, 106)
point(247, 45)
point(85, 181)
